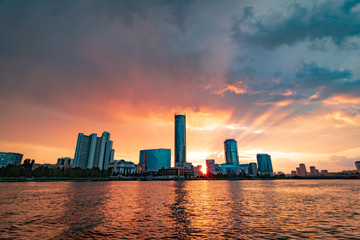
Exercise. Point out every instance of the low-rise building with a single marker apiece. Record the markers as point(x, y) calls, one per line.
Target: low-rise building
point(64, 162)
point(7, 158)
point(122, 167)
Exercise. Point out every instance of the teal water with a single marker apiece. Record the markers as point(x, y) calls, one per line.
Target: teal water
point(281, 209)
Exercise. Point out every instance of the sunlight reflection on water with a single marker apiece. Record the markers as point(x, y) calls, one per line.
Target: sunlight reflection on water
point(287, 209)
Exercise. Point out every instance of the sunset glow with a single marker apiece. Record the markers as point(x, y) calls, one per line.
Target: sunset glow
point(128, 69)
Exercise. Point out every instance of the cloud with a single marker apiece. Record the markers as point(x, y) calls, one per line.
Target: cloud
point(298, 23)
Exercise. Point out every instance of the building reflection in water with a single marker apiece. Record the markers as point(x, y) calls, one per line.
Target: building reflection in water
point(83, 210)
point(179, 212)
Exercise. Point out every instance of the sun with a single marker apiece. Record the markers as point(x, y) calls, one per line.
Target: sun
point(204, 169)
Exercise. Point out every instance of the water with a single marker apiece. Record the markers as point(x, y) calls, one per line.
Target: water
point(281, 209)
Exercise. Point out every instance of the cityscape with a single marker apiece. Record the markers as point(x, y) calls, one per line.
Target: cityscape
point(93, 152)
point(179, 119)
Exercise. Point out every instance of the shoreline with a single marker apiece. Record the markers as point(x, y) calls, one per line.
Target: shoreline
point(168, 179)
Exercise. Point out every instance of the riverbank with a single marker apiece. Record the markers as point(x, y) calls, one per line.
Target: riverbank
point(174, 178)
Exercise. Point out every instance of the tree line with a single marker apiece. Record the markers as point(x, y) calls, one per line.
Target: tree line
point(27, 170)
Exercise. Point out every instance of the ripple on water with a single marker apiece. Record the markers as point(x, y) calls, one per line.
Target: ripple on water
point(315, 209)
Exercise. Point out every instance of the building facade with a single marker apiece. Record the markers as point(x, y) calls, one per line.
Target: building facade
point(180, 140)
point(93, 152)
point(357, 165)
point(253, 171)
point(122, 168)
point(231, 152)
point(210, 166)
point(264, 164)
point(7, 158)
point(154, 159)
point(302, 170)
point(64, 162)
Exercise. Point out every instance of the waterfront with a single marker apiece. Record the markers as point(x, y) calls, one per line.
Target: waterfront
point(264, 209)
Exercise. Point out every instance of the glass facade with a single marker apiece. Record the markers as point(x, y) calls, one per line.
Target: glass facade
point(155, 159)
point(7, 158)
point(231, 151)
point(180, 140)
point(264, 164)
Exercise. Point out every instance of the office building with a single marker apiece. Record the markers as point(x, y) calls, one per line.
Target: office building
point(302, 170)
point(264, 164)
point(231, 152)
point(154, 159)
point(324, 171)
point(313, 170)
point(293, 173)
point(93, 152)
point(357, 165)
point(236, 169)
point(64, 162)
point(253, 171)
point(180, 140)
point(7, 158)
point(122, 167)
point(210, 166)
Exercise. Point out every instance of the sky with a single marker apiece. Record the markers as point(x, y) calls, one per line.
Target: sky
point(280, 77)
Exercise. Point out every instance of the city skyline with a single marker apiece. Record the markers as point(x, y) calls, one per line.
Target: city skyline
point(292, 91)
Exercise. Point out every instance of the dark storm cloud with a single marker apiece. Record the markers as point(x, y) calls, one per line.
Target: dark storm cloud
point(52, 50)
point(310, 75)
point(299, 23)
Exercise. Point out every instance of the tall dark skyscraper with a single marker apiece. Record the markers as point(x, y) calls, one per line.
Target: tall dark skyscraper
point(180, 140)
point(231, 151)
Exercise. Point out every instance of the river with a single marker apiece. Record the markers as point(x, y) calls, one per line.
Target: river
point(254, 209)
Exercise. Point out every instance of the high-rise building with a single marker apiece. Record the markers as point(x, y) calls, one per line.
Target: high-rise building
point(154, 159)
point(231, 151)
point(252, 169)
point(210, 166)
point(302, 170)
point(93, 152)
point(313, 170)
point(357, 164)
point(7, 158)
point(264, 164)
point(180, 140)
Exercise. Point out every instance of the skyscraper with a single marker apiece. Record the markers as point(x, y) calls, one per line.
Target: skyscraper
point(264, 164)
point(93, 152)
point(231, 151)
point(180, 140)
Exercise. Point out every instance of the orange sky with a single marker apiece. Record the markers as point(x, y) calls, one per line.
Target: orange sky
point(291, 91)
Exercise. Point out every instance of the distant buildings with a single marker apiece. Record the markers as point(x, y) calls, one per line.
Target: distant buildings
point(313, 171)
point(64, 162)
point(231, 151)
point(357, 165)
point(210, 166)
point(324, 172)
point(7, 158)
point(264, 164)
point(180, 140)
point(154, 159)
point(93, 152)
point(302, 170)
